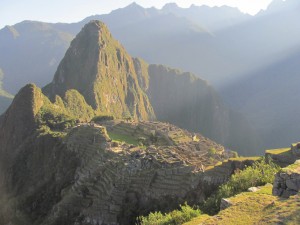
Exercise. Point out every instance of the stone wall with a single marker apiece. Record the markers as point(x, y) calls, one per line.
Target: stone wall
point(287, 182)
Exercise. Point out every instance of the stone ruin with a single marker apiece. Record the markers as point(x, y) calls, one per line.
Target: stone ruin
point(116, 183)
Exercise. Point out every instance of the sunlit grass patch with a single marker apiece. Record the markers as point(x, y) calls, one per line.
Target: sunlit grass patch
point(278, 151)
point(123, 138)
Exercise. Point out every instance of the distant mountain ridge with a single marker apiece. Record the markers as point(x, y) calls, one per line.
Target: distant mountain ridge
point(47, 43)
point(5, 97)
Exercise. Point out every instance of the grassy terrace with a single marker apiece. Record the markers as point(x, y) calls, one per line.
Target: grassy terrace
point(256, 208)
point(123, 138)
point(293, 168)
point(278, 151)
point(240, 159)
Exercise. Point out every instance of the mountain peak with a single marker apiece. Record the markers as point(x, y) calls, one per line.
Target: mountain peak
point(100, 69)
point(170, 6)
point(19, 119)
point(134, 5)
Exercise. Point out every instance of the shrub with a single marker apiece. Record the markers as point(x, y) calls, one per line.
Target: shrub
point(102, 118)
point(260, 173)
point(176, 217)
point(212, 151)
point(55, 120)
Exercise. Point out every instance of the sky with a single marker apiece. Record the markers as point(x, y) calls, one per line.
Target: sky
point(14, 11)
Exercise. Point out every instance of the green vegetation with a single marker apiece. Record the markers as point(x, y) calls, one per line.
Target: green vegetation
point(293, 168)
point(103, 118)
point(278, 151)
point(259, 207)
point(55, 121)
point(55, 117)
point(234, 154)
point(212, 151)
point(247, 208)
point(123, 138)
point(176, 217)
point(127, 116)
point(259, 173)
point(241, 158)
point(76, 105)
point(45, 130)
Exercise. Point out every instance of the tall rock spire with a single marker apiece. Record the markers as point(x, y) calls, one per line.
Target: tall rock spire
point(100, 69)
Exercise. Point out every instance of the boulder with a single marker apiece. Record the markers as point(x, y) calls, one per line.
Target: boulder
point(253, 189)
point(225, 203)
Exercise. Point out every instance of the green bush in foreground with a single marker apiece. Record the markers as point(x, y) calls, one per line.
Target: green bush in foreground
point(260, 173)
point(176, 217)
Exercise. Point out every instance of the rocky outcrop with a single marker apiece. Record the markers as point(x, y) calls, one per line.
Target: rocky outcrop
point(225, 203)
point(287, 182)
point(100, 69)
point(295, 149)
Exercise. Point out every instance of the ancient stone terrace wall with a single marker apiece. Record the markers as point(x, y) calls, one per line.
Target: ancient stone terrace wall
point(116, 183)
point(287, 182)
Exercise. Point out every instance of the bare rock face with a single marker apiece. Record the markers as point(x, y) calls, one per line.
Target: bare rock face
point(100, 69)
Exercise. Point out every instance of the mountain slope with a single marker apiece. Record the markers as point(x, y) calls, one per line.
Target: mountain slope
point(269, 99)
point(99, 68)
point(36, 48)
point(212, 18)
point(5, 98)
point(191, 103)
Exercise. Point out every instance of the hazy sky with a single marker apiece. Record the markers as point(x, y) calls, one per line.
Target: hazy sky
point(14, 11)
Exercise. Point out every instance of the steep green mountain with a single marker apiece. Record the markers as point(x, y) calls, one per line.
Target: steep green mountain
point(99, 68)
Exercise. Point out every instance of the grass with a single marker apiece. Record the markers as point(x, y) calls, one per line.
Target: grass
point(260, 173)
point(176, 217)
point(278, 151)
point(239, 159)
point(199, 220)
point(256, 208)
point(293, 168)
point(123, 138)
